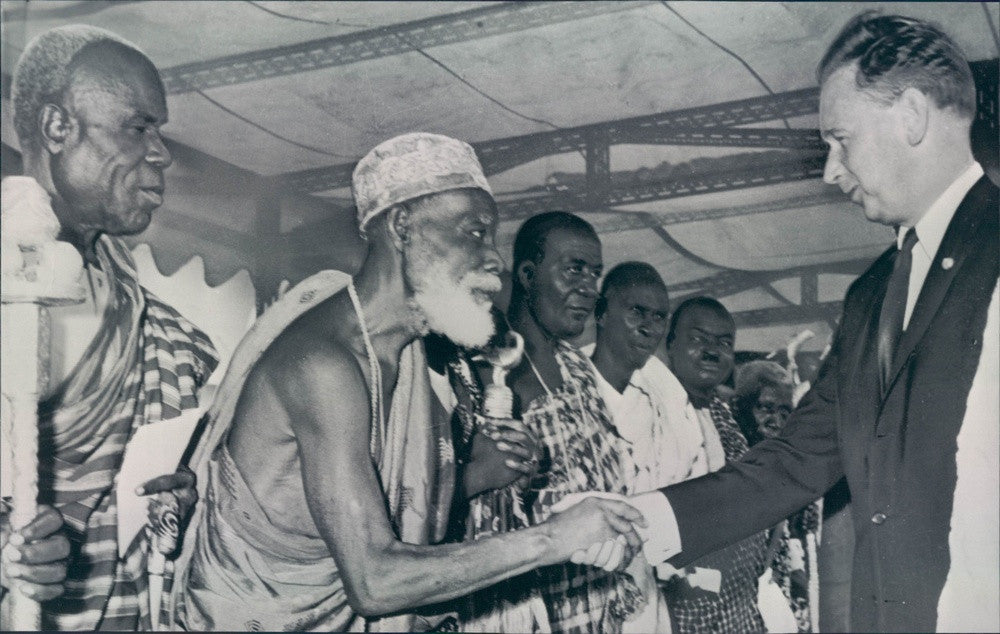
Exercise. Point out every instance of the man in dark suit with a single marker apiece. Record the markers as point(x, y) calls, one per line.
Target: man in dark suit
point(897, 102)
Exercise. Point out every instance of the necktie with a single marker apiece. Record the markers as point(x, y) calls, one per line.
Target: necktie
point(890, 322)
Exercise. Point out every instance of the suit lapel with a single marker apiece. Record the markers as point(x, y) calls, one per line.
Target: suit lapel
point(863, 390)
point(954, 247)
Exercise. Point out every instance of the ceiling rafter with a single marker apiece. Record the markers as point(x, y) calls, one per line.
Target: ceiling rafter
point(776, 294)
point(793, 168)
point(701, 125)
point(395, 39)
point(627, 221)
point(794, 139)
point(794, 314)
point(732, 281)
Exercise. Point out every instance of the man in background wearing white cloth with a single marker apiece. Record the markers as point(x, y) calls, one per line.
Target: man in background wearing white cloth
point(905, 405)
point(88, 107)
point(329, 483)
point(646, 400)
point(647, 403)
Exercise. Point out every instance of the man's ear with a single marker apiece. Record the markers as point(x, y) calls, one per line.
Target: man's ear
point(55, 125)
point(914, 108)
point(398, 224)
point(526, 273)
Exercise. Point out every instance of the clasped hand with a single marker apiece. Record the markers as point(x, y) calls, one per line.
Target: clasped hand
point(598, 529)
point(503, 452)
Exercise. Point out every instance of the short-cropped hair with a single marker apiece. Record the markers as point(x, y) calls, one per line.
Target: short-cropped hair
point(894, 52)
point(703, 301)
point(529, 243)
point(624, 275)
point(44, 71)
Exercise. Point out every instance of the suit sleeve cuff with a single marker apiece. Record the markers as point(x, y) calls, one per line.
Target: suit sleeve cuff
point(661, 537)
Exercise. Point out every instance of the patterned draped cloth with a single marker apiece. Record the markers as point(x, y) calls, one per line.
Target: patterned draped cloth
point(513, 605)
point(586, 454)
point(734, 607)
point(794, 565)
point(145, 364)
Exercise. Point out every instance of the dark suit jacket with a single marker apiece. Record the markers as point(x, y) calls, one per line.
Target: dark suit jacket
point(897, 449)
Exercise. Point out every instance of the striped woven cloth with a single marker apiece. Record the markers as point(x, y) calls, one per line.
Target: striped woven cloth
point(145, 364)
point(586, 454)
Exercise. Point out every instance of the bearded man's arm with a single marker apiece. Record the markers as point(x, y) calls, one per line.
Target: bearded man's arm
point(327, 400)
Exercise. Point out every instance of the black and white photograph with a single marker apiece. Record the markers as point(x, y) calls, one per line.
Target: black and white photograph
point(547, 317)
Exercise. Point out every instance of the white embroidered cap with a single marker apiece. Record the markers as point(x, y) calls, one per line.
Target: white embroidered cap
point(412, 165)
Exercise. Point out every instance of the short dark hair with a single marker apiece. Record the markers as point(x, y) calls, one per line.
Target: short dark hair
point(693, 302)
point(894, 52)
point(529, 244)
point(627, 274)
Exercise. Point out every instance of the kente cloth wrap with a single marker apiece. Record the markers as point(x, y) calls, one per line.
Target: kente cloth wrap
point(734, 607)
point(413, 165)
point(512, 605)
point(414, 460)
point(145, 364)
point(585, 454)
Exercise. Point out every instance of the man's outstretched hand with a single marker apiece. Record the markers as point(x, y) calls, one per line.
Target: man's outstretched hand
point(33, 560)
point(602, 528)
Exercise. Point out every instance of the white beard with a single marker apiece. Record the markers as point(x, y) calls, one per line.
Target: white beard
point(450, 308)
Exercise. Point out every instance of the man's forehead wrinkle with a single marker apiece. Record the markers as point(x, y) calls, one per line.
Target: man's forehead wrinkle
point(724, 331)
point(95, 88)
point(575, 257)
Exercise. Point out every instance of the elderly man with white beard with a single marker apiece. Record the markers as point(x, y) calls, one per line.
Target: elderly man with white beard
point(329, 484)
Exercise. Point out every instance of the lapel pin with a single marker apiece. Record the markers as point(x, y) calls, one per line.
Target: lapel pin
point(947, 263)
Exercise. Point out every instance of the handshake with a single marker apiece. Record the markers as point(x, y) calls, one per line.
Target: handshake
point(641, 522)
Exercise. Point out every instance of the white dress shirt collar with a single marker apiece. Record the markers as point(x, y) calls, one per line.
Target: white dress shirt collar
point(932, 226)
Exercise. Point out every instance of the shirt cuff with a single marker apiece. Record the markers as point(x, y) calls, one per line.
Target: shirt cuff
point(661, 537)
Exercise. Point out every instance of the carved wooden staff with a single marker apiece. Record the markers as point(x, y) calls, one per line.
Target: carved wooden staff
point(23, 371)
point(498, 405)
point(499, 399)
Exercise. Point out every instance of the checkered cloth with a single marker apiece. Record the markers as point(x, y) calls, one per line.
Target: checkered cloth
point(586, 454)
point(515, 604)
point(144, 365)
point(734, 608)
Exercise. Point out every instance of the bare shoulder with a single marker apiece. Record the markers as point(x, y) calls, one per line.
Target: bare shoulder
point(311, 366)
